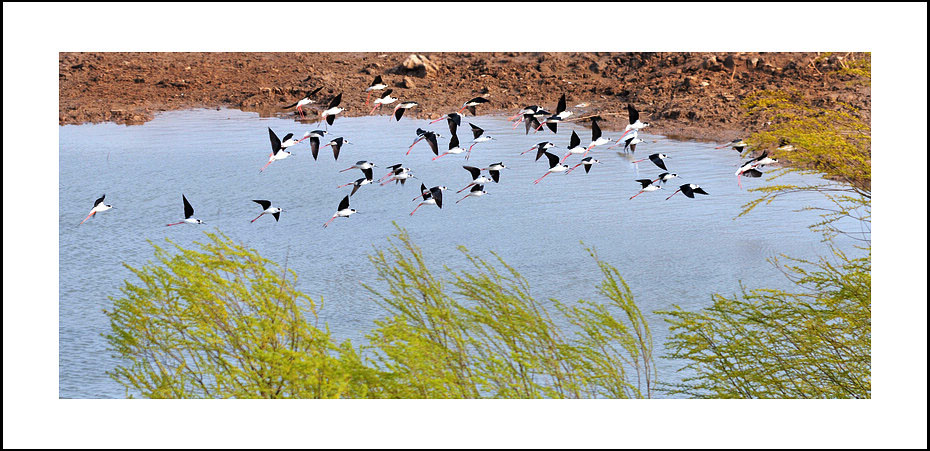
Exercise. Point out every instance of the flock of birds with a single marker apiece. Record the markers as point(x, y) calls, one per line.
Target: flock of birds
point(534, 117)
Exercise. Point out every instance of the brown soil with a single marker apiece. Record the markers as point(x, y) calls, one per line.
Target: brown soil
point(685, 95)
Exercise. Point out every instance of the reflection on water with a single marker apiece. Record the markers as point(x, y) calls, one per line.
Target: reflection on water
point(670, 252)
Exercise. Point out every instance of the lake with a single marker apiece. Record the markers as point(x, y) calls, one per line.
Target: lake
point(678, 251)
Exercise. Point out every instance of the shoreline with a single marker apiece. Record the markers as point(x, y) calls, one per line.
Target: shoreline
point(685, 95)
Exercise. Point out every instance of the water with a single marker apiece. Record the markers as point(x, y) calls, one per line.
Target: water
point(678, 251)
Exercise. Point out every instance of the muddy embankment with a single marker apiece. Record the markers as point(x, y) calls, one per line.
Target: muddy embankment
point(684, 95)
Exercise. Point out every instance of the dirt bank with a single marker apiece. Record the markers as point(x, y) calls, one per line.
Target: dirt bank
point(687, 95)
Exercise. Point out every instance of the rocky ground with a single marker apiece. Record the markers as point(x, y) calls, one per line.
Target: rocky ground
point(685, 95)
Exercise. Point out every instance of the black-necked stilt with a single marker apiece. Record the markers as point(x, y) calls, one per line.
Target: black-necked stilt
point(635, 123)
point(315, 137)
point(688, 189)
point(188, 214)
point(596, 138)
point(343, 211)
point(98, 207)
point(454, 148)
point(336, 144)
point(391, 169)
point(648, 186)
point(476, 191)
point(529, 114)
point(552, 122)
point(368, 178)
point(329, 114)
point(476, 177)
point(574, 146)
point(400, 108)
point(385, 99)
point(471, 104)
point(751, 167)
point(289, 140)
point(664, 177)
point(306, 100)
point(554, 166)
point(737, 144)
point(454, 119)
point(629, 141)
point(541, 148)
point(268, 209)
point(363, 164)
point(430, 137)
point(494, 170)
point(785, 146)
point(656, 159)
point(376, 85)
point(277, 153)
point(399, 175)
point(587, 162)
point(479, 135)
point(432, 196)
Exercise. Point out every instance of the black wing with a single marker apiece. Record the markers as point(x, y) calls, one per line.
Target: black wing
point(275, 142)
point(426, 193)
point(264, 203)
point(495, 175)
point(356, 185)
point(344, 204)
point(575, 141)
point(386, 93)
point(436, 193)
point(377, 81)
point(398, 113)
point(477, 188)
point(595, 131)
point(454, 142)
point(754, 173)
point(314, 146)
point(561, 107)
point(658, 161)
point(554, 126)
point(686, 190)
point(478, 100)
point(98, 201)
point(368, 173)
point(188, 210)
point(433, 144)
point(587, 168)
point(644, 182)
point(292, 105)
point(277, 215)
point(541, 149)
point(287, 137)
point(395, 167)
point(475, 172)
point(700, 190)
point(553, 160)
point(634, 115)
point(765, 153)
point(337, 144)
point(313, 93)
point(330, 119)
point(336, 101)
point(531, 123)
point(476, 130)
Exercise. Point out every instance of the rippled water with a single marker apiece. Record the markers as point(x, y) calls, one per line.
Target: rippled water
point(670, 252)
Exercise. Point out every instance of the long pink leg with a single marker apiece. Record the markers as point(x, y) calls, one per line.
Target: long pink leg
point(437, 120)
point(330, 220)
point(515, 124)
point(637, 194)
point(739, 180)
point(392, 179)
point(368, 97)
point(348, 169)
point(343, 186)
point(436, 157)
point(539, 179)
point(265, 166)
point(415, 209)
point(625, 133)
point(259, 216)
point(463, 189)
point(676, 192)
point(411, 146)
point(176, 223)
point(525, 151)
point(565, 157)
point(466, 197)
point(88, 217)
point(573, 168)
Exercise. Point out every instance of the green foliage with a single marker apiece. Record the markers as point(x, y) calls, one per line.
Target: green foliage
point(482, 334)
point(223, 322)
point(219, 322)
point(814, 343)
